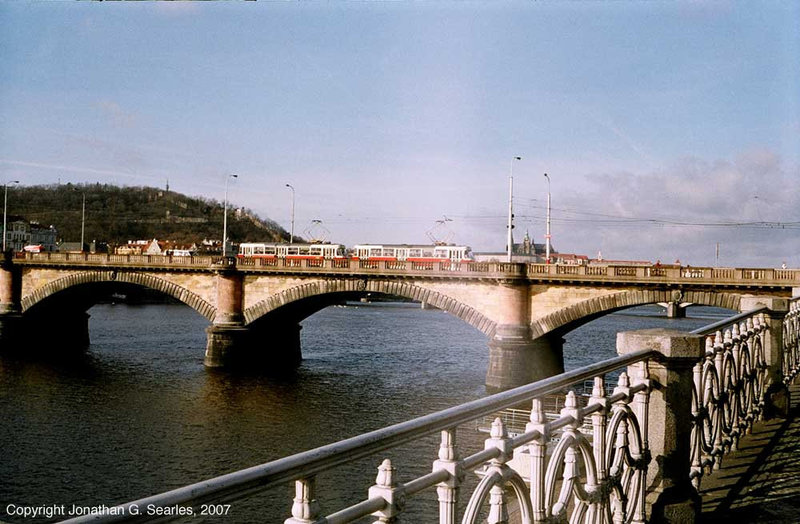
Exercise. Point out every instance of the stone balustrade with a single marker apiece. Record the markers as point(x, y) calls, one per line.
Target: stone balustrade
point(532, 272)
point(680, 402)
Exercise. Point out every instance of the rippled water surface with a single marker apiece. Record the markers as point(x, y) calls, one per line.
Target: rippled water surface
point(138, 413)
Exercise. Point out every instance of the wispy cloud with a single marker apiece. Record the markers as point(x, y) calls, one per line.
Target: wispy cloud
point(749, 205)
point(118, 116)
point(72, 169)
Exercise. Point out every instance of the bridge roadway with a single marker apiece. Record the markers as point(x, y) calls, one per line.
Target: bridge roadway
point(255, 306)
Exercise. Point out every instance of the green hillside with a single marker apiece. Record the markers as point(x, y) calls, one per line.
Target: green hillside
point(118, 214)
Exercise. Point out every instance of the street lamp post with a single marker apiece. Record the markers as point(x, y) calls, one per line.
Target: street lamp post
point(5, 208)
point(510, 239)
point(291, 233)
point(83, 219)
point(225, 217)
point(547, 234)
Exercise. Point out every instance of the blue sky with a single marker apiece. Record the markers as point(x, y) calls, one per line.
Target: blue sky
point(660, 124)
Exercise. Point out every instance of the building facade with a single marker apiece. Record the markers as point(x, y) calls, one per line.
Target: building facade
point(21, 233)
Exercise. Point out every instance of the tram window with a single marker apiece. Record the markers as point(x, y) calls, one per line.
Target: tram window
point(375, 252)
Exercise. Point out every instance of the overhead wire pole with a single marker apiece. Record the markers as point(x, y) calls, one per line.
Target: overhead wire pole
point(510, 239)
point(225, 217)
point(547, 233)
point(83, 220)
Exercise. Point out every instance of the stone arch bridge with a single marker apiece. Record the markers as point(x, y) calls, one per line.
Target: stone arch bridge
point(254, 306)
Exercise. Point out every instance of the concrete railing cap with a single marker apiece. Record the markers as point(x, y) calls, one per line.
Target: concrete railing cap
point(669, 342)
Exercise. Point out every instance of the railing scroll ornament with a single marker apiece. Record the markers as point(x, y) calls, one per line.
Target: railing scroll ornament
point(791, 342)
point(729, 391)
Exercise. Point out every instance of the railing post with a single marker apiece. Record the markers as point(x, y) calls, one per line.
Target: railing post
point(777, 396)
point(386, 487)
point(305, 509)
point(671, 496)
point(599, 427)
point(538, 451)
point(449, 489)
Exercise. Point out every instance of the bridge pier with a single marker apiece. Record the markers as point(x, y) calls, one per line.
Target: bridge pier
point(515, 362)
point(514, 358)
point(229, 343)
point(227, 337)
point(10, 310)
point(675, 310)
point(223, 344)
point(266, 348)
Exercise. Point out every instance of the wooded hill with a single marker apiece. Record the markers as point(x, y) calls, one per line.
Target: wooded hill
point(117, 214)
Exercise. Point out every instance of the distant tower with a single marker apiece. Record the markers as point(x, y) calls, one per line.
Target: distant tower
point(168, 185)
point(527, 245)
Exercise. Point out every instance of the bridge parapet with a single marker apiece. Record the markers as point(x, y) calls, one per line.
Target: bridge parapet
point(107, 259)
point(633, 451)
point(685, 274)
point(701, 276)
point(387, 267)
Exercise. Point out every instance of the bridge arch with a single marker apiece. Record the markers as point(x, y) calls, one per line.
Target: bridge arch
point(142, 279)
point(574, 316)
point(362, 288)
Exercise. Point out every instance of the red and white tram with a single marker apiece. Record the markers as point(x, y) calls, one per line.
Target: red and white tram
point(413, 253)
point(291, 251)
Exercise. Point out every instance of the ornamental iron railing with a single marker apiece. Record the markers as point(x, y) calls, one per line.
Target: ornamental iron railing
point(606, 456)
point(791, 342)
point(730, 386)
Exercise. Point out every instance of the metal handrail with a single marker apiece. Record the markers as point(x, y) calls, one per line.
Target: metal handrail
point(716, 326)
point(309, 463)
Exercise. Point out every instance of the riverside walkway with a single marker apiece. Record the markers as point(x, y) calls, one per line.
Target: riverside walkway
point(759, 483)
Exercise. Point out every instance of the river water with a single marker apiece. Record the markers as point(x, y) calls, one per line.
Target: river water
point(138, 414)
